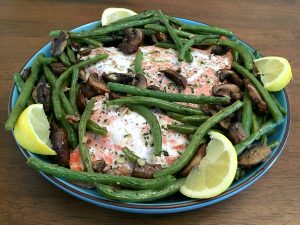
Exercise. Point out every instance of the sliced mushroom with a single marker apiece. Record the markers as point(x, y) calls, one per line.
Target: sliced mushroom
point(81, 101)
point(84, 52)
point(218, 49)
point(255, 96)
point(229, 90)
point(140, 81)
point(176, 77)
point(43, 92)
point(75, 45)
point(121, 78)
point(195, 161)
point(83, 75)
point(254, 155)
point(98, 165)
point(114, 95)
point(97, 84)
point(230, 75)
point(57, 68)
point(25, 73)
point(161, 37)
point(145, 171)
point(59, 44)
point(153, 88)
point(59, 140)
point(225, 123)
point(72, 118)
point(87, 91)
point(133, 39)
point(236, 133)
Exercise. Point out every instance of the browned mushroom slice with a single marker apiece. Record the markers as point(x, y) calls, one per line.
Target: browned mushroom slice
point(254, 155)
point(115, 95)
point(133, 39)
point(255, 96)
point(81, 101)
point(229, 90)
point(83, 75)
point(84, 52)
point(25, 73)
point(43, 92)
point(145, 171)
point(118, 77)
point(57, 68)
point(59, 140)
point(98, 165)
point(218, 49)
point(97, 84)
point(236, 133)
point(195, 161)
point(59, 43)
point(153, 88)
point(230, 75)
point(72, 118)
point(161, 37)
point(176, 77)
point(140, 81)
point(87, 91)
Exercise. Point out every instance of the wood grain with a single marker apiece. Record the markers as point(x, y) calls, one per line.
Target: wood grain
point(27, 198)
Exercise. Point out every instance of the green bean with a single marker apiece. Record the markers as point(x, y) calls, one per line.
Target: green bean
point(169, 106)
point(64, 76)
point(183, 129)
point(92, 42)
point(176, 116)
point(175, 21)
point(263, 92)
point(264, 139)
point(72, 135)
point(74, 89)
point(104, 39)
point(48, 60)
point(66, 105)
point(154, 125)
point(140, 195)
point(20, 83)
point(255, 123)
point(241, 49)
point(163, 29)
point(95, 128)
point(71, 55)
point(91, 178)
point(85, 155)
point(197, 99)
point(239, 173)
point(147, 32)
point(235, 55)
point(165, 45)
point(138, 69)
point(143, 15)
point(188, 56)
point(130, 155)
point(280, 107)
point(25, 94)
point(265, 128)
point(171, 32)
point(196, 120)
point(206, 29)
point(112, 28)
point(247, 113)
point(64, 59)
point(274, 144)
point(191, 42)
point(197, 139)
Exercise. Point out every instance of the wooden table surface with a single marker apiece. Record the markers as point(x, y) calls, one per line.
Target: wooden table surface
point(27, 198)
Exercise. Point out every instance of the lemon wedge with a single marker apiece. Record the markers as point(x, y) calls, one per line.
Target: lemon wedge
point(32, 130)
point(216, 170)
point(111, 15)
point(275, 72)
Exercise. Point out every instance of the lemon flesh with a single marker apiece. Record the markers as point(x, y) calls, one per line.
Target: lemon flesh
point(275, 72)
point(215, 172)
point(111, 15)
point(32, 130)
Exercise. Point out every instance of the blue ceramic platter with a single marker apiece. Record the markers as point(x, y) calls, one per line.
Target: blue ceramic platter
point(177, 203)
